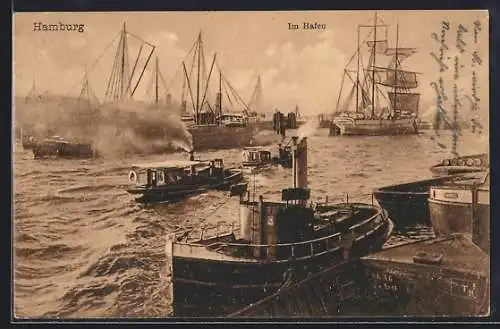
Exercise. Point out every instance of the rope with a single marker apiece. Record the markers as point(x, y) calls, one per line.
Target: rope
point(187, 231)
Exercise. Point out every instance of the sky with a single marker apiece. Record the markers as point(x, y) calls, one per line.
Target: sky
point(298, 67)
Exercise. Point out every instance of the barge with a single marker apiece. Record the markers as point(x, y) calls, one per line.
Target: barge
point(407, 203)
point(432, 278)
point(462, 208)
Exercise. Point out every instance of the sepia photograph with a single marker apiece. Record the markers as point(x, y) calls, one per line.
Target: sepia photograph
point(250, 164)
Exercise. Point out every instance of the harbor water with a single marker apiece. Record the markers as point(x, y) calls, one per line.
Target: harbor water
point(84, 248)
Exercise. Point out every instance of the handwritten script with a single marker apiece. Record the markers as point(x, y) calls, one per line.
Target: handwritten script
point(438, 86)
point(476, 63)
point(451, 64)
point(441, 39)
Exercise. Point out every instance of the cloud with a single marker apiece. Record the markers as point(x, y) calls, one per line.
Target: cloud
point(271, 50)
point(307, 76)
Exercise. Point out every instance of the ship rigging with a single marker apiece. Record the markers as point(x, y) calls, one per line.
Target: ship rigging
point(368, 81)
point(195, 88)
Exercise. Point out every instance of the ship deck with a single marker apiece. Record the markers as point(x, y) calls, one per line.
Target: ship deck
point(458, 253)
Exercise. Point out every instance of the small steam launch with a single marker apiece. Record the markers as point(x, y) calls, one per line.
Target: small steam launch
point(218, 271)
point(173, 180)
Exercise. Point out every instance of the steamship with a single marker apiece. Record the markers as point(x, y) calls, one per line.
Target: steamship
point(219, 127)
point(368, 116)
point(277, 243)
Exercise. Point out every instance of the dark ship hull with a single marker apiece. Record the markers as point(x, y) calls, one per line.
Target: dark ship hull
point(365, 127)
point(407, 203)
point(212, 137)
point(218, 286)
point(178, 192)
point(69, 150)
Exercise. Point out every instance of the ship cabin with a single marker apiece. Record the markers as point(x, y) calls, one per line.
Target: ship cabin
point(255, 156)
point(232, 120)
point(175, 172)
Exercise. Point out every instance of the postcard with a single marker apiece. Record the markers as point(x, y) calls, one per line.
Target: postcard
point(257, 164)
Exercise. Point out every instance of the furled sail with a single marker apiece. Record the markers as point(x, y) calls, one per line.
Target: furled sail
point(392, 78)
point(404, 101)
point(400, 79)
point(381, 46)
point(401, 52)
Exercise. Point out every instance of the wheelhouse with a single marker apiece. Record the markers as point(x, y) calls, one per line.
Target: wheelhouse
point(256, 155)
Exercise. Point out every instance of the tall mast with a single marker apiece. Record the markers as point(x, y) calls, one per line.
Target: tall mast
point(396, 72)
point(373, 64)
point(124, 45)
point(357, 78)
point(220, 93)
point(198, 78)
point(156, 82)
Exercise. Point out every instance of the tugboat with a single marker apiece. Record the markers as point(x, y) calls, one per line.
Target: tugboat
point(256, 158)
point(462, 208)
point(173, 180)
point(57, 146)
point(277, 243)
point(461, 164)
point(407, 203)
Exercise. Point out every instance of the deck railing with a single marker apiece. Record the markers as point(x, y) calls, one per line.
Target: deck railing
point(282, 251)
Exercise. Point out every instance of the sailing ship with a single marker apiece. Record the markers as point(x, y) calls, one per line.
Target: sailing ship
point(277, 244)
point(213, 127)
point(376, 111)
point(121, 86)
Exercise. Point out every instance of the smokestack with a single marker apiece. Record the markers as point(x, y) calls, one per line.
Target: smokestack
point(299, 163)
point(169, 101)
point(191, 155)
point(183, 108)
point(218, 104)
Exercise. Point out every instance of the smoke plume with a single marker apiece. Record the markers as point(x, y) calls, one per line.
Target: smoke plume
point(308, 129)
point(113, 130)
